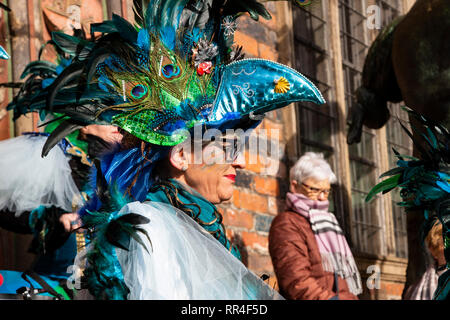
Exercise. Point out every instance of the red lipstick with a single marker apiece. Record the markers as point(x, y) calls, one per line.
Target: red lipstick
point(232, 177)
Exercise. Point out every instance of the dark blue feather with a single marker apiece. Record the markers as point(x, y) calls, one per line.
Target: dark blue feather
point(125, 29)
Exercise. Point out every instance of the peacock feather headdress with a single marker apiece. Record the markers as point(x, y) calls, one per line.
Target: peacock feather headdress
point(177, 67)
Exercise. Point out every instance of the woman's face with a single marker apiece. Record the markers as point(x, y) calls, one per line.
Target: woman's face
point(312, 188)
point(213, 177)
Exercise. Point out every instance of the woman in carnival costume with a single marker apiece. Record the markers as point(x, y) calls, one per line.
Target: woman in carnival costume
point(155, 231)
point(41, 195)
point(424, 185)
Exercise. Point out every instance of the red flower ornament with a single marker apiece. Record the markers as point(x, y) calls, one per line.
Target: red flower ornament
point(204, 67)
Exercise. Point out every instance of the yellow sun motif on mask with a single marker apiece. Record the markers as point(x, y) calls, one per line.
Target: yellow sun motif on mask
point(282, 85)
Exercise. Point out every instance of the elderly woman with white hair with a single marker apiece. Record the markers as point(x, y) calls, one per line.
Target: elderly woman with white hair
point(310, 255)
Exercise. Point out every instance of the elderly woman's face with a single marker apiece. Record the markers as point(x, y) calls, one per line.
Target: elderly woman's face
point(214, 177)
point(312, 188)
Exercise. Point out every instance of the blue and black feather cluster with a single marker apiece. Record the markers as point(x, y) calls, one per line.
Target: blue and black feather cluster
point(109, 230)
point(425, 183)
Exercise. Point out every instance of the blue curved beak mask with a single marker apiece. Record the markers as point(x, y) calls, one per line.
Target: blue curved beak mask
point(256, 86)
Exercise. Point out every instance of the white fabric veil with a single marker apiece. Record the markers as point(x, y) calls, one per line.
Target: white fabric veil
point(184, 261)
point(27, 180)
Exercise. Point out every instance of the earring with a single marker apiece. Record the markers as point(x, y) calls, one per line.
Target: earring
point(184, 167)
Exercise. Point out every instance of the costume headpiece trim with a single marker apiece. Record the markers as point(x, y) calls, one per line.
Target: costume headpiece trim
point(175, 69)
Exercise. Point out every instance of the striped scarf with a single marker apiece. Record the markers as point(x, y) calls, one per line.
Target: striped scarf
point(334, 250)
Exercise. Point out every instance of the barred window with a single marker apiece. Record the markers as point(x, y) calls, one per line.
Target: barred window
point(317, 123)
point(367, 221)
point(399, 140)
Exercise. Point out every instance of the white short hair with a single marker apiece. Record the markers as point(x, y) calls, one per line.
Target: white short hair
point(312, 165)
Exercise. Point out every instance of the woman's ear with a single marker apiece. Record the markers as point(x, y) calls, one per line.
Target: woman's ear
point(178, 158)
point(293, 186)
